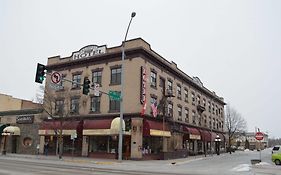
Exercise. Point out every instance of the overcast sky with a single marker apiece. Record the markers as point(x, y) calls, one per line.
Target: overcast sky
point(234, 47)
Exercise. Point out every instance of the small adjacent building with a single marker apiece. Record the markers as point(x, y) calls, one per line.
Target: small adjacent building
point(19, 123)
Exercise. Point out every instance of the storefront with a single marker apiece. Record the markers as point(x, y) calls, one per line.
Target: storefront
point(192, 140)
point(49, 132)
point(100, 138)
point(206, 139)
point(155, 139)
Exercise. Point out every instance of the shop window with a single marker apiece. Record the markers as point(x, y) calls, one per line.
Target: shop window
point(27, 141)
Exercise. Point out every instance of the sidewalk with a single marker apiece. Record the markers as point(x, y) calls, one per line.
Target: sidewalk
point(87, 160)
point(173, 166)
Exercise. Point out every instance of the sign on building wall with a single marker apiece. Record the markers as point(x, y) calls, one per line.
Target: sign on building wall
point(88, 51)
point(143, 85)
point(25, 119)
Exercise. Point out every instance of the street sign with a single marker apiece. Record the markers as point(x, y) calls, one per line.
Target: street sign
point(114, 95)
point(259, 136)
point(56, 77)
point(96, 89)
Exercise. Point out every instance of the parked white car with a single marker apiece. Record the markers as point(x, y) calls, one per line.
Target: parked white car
point(276, 149)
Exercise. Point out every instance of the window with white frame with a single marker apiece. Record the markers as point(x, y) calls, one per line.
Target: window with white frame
point(95, 104)
point(170, 109)
point(186, 111)
point(153, 79)
point(185, 95)
point(178, 91)
point(170, 86)
point(74, 106)
point(179, 113)
point(76, 80)
point(193, 97)
point(193, 117)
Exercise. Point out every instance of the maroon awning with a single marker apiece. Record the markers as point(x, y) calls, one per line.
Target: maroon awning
point(205, 135)
point(193, 131)
point(97, 124)
point(55, 125)
point(149, 124)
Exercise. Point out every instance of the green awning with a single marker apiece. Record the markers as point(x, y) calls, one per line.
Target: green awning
point(2, 126)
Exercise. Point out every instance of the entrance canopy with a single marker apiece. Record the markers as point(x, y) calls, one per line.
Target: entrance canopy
point(11, 130)
point(194, 133)
point(103, 127)
point(53, 127)
point(2, 126)
point(205, 135)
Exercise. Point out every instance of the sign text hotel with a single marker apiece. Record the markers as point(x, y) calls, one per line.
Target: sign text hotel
point(88, 51)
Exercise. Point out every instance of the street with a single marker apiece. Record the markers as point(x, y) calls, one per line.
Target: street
point(233, 164)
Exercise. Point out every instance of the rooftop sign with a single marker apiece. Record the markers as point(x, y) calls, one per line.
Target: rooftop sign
point(88, 51)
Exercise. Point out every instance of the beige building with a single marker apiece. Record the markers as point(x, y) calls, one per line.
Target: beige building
point(193, 115)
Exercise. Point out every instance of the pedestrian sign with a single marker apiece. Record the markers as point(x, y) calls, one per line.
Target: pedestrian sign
point(114, 95)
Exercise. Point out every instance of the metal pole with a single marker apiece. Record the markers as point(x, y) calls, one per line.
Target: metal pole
point(120, 144)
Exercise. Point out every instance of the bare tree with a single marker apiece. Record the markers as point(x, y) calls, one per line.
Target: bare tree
point(235, 124)
point(55, 110)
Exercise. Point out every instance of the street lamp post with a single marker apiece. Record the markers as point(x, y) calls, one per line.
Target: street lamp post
point(217, 141)
point(120, 144)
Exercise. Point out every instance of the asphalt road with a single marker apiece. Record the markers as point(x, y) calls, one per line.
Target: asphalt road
point(224, 164)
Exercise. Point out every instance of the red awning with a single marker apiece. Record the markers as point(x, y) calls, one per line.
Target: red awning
point(205, 135)
point(97, 124)
point(54, 125)
point(193, 131)
point(149, 124)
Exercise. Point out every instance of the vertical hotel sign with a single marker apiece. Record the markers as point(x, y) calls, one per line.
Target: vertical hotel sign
point(143, 86)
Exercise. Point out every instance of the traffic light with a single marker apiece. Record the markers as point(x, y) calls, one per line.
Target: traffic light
point(86, 86)
point(40, 73)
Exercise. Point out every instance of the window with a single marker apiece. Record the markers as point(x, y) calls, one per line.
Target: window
point(74, 107)
point(179, 91)
point(209, 106)
point(61, 86)
point(204, 102)
point(116, 75)
point(95, 104)
point(179, 113)
point(193, 117)
point(114, 105)
point(97, 77)
point(153, 79)
point(193, 98)
point(217, 110)
point(185, 95)
point(170, 109)
point(76, 78)
point(59, 105)
point(214, 123)
point(199, 99)
point(170, 86)
point(27, 141)
point(213, 108)
point(210, 122)
point(186, 111)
